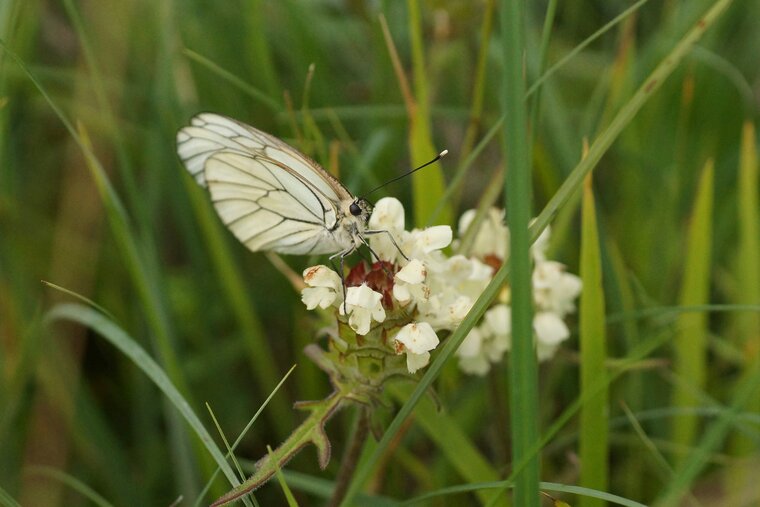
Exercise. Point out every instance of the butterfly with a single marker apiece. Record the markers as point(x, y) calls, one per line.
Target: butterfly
point(271, 196)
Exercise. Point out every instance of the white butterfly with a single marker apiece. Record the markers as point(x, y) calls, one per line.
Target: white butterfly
point(271, 196)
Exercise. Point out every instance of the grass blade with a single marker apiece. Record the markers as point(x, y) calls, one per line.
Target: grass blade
point(463, 456)
point(523, 364)
point(650, 85)
point(427, 186)
point(741, 479)
point(594, 416)
point(691, 341)
point(129, 347)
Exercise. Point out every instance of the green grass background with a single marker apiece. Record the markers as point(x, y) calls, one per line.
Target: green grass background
point(93, 199)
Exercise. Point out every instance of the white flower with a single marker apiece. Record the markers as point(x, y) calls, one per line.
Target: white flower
point(387, 215)
point(417, 340)
point(363, 305)
point(430, 239)
point(491, 238)
point(498, 321)
point(550, 331)
point(409, 283)
point(554, 289)
point(324, 287)
point(486, 344)
point(472, 360)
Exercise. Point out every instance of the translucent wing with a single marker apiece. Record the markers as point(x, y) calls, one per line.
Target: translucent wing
point(269, 207)
point(271, 196)
point(210, 133)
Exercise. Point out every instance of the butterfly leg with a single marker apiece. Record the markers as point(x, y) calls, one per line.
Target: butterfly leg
point(393, 240)
point(377, 257)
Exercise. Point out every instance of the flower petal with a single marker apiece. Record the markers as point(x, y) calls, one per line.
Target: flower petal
point(318, 296)
point(387, 215)
point(417, 337)
point(363, 297)
point(412, 273)
point(321, 276)
point(416, 361)
point(434, 238)
point(550, 328)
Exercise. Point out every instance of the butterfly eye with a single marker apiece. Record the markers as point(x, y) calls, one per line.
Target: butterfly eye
point(355, 209)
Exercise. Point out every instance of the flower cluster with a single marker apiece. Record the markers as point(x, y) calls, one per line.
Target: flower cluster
point(415, 290)
point(554, 292)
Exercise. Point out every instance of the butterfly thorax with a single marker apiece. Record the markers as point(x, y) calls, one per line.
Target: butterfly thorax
point(352, 222)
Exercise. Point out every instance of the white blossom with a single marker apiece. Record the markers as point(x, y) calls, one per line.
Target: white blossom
point(387, 216)
point(363, 305)
point(425, 241)
point(431, 291)
point(487, 343)
point(554, 289)
point(492, 237)
point(324, 287)
point(472, 360)
point(498, 321)
point(417, 340)
point(550, 331)
point(409, 283)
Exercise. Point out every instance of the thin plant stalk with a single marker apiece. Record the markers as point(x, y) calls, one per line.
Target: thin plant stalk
point(523, 364)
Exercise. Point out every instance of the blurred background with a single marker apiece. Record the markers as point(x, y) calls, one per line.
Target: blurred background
point(129, 230)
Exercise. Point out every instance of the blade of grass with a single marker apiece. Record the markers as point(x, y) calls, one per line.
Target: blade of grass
point(456, 181)
point(523, 364)
point(323, 488)
point(746, 393)
point(740, 478)
point(72, 482)
point(543, 53)
point(259, 48)
point(580, 47)
point(234, 80)
point(463, 456)
point(427, 186)
point(231, 449)
point(478, 85)
point(147, 288)
point(622, 301)
point(98, 87)
point(748, 268)
point(594, 416)
point(6, 500)
point(691, 340)
point(130, 348)
point(545, 486)
point(650, 85)
point(283, 484)
point(80, 297)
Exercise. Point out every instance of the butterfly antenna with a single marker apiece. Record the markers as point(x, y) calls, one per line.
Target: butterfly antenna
point(436, 159)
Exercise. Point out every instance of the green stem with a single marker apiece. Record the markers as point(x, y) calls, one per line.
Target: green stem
point(310, 431)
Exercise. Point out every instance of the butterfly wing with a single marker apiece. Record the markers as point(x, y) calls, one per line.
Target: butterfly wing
point(210, 133)
point(268, 194)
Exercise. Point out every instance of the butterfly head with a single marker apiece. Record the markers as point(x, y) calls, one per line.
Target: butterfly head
point(360, 208)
